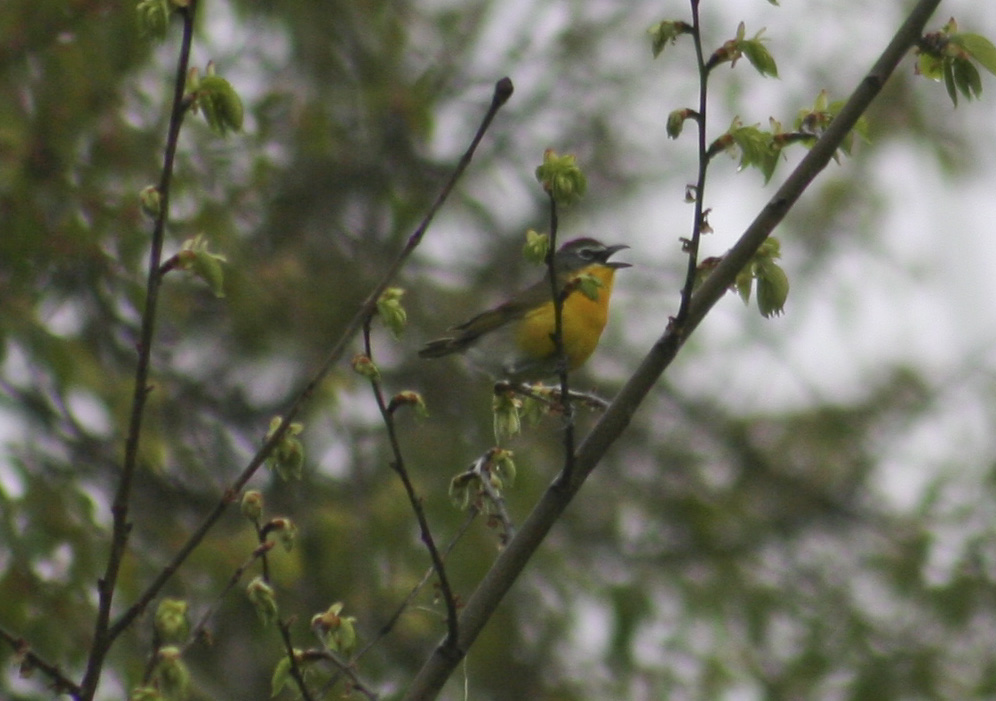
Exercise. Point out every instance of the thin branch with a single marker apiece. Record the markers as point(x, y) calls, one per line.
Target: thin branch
point(392, 621)
point(503, 90)
point(559, 296)
point(692, 244)
point(510, 563)
point(398, 465)
point(102, 636)
point(549, 396)
point(482, 469)
point(295, 669)
point(200, 628)
point(28, 661)
point(345, 669)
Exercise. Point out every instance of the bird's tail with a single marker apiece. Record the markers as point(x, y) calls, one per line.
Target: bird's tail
point(441, 347)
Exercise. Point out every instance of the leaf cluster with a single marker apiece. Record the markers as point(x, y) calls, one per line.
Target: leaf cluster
point(561, 177)
point(950, 55)
point(217, 99)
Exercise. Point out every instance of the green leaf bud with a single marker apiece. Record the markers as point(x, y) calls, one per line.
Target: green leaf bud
point(151, 201)
point(284, 530)
point(772, 289)
point(460, 490)
point(145, 693)
point(171, 674)
point(589, 285)
point(281, 675)
point(252, 504)
point(336, 632)
point(153, 17)
point(195, 258)
point(263, 599)
point(676, 121)
point(221, 105)
point(537, 247)
point(503, 466)
point(666, 32)
point(287, 457)
point(390, 310)
point(362, 365)
point(171, 622)
point(409, 398)
point(561, 177)
point(507, 421)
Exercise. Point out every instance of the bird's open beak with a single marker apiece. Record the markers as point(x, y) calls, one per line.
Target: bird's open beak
point(610, 251)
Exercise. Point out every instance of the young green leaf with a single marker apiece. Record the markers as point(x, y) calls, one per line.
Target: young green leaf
point(287, 458)
point(562, 177)
point(666, 32)
point(589, 286)
point(756, 149)
point(391, 312)
point(153, 17)
point(978, 47)
point(221, 105)
point(930, 66)
point(195, 258)
point(759, 56)
point(743, 283)
point(171, 675)
point(507, 419)
point(772, 289)
point(949, 82)
point(536, 247)
point(676, 121)
point(281, 676)
point(263, 599)
point(967, 78)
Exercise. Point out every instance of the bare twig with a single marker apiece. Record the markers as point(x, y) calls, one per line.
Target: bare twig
point(28, 661)
point(295, 668)
point(510, 563)
point(344, 668)
point(392, 621)
point(559, 296)
point(103, 636)
point(550, 396)
point(200, 627)
point(692, 244)
point(398, 465)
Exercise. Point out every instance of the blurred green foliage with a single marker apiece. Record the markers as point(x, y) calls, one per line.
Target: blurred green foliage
point(719, 550)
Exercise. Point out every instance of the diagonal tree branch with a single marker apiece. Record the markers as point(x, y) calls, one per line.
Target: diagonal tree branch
point(28, 661)
point(514, 558)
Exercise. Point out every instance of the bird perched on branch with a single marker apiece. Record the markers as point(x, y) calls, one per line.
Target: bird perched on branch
point(515, 340)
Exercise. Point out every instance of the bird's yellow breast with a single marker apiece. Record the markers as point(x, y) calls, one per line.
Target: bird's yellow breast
point(583, 320)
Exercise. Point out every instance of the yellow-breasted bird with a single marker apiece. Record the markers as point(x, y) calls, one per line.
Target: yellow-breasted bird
point(514, 341)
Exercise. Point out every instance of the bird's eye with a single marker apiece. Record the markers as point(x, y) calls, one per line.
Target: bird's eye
point(587, 253)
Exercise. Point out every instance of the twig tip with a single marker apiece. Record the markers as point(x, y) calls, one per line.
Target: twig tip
point(503, 90)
